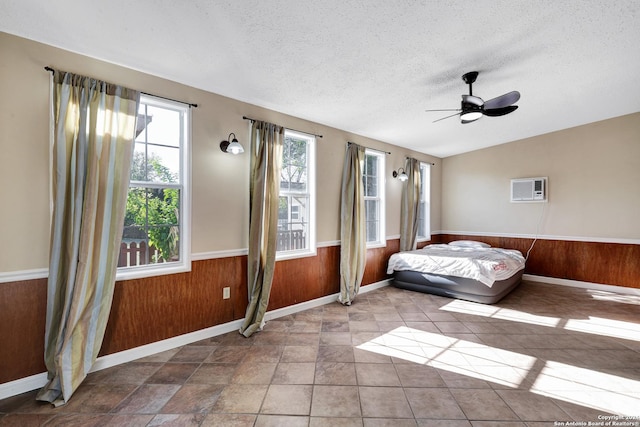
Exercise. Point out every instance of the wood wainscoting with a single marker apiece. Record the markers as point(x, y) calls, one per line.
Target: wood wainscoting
point(157, 308)
point(161, 307)
point(615, 264)
point(23, 313)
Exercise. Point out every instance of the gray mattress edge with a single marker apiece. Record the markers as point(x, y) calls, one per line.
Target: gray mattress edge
point(456, 287)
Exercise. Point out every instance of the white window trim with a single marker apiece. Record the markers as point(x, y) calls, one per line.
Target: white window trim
point(184, 265)
point(311, 190)
point(382, 239)
point(426, 197)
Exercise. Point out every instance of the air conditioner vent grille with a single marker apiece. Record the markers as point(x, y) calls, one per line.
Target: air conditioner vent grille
point(529, 190)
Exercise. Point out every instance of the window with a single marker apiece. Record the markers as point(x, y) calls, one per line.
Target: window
point(374, 207)
point(155, 238)
point(424, 213)
point(296, 210)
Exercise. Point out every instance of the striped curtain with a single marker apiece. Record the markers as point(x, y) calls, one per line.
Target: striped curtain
point(410, 206)
point(93, 132)
point(353, 244)
point(267, 142)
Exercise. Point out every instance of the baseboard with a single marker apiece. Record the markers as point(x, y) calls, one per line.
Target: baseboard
point(33, 382)
point(583, 285)
point(285, 311)
point(23, 385)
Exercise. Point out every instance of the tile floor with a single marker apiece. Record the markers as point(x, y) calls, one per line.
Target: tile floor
point(545, 355)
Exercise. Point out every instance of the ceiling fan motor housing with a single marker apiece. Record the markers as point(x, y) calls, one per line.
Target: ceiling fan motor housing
point(468, 106)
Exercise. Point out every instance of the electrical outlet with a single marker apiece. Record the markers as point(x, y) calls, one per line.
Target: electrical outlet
point(226, 293)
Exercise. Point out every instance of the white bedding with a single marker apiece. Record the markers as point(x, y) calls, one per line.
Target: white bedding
point(485, 265)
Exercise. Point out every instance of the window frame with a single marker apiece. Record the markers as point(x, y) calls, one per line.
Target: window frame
point(424, 235)
point(184, 187)
point(381, 198)
point(312, 249)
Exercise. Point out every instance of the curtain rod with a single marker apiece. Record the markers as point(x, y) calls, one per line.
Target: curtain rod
point(372, 149)
point(429, 163)
point(301, 131)
point(51, 70)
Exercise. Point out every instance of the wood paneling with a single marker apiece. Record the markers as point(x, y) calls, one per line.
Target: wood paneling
point(304, 279)
point(161, 307)
point(23, 307)
point(607, 263)
point(377, 259)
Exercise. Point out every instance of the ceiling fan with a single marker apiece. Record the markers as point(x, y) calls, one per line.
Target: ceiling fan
point(473, 107)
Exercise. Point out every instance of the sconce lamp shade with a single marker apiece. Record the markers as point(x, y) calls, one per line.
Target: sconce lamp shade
point(402, 176)
point(233, 147)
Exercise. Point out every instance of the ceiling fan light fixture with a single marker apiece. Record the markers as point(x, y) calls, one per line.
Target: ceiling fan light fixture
point(473, 107)
point(470, 116)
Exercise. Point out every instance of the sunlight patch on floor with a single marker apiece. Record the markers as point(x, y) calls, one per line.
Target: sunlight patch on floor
point(581, 386)
point(605, 327)
point(463, 357)
point(592, 325)
point(494, 312)
point(587, 387)
point(615, 297)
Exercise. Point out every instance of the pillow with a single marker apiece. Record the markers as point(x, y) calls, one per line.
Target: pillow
point(469, 244)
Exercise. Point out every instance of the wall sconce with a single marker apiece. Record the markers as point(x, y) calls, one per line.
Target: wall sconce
point(232, 147)
point(402, 176)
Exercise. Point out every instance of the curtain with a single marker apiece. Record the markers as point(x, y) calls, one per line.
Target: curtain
point(93, 131)
point(353, 247)
point(264, 188)
point(410, 206)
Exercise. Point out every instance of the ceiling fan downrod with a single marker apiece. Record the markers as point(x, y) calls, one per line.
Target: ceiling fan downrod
point(470, 78)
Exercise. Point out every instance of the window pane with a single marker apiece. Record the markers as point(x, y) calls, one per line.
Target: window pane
point(370, 186)
point(298, 179)
point(163, 164)
point(134, 249)
point(372, 231)
point(371, 210)
point(421, 220)
point(142, 121)
point(424, 227)
point(293, 225)
point(139, 164)
point(157, 149)
point(285, 178)
point(283, 211)
point(370, 176)
point(151, 229)
point(163, 126)
point(371, 165)
point(294, 165)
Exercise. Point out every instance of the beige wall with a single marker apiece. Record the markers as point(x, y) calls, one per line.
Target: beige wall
point(594, 178)
point(220, 181)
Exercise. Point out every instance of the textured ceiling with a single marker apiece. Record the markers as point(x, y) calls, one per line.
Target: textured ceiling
point(371, 67)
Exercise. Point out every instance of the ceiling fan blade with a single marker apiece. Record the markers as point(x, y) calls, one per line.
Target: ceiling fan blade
point(449, 109)
point(452, 115)
point(495, 112)
point(475, 100)
point(503, 100)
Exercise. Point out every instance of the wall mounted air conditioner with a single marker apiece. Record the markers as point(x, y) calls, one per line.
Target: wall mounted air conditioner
point(529, 190)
